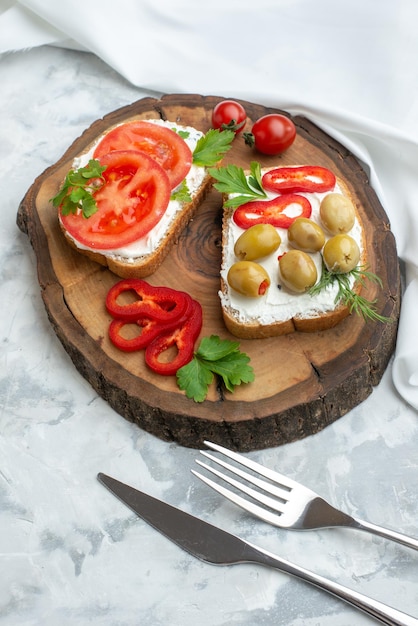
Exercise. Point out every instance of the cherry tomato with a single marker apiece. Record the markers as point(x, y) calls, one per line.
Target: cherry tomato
point(132, 200)
point(229, 115)
point(159, 142)
point(271, 134)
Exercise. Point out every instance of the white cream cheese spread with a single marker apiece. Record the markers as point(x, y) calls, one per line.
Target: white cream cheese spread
point(279, 304)
point(149, 243)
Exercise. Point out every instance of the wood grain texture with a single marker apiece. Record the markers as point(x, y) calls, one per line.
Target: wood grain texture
point(304, 381)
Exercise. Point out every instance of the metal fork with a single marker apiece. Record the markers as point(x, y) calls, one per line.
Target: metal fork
point(292, 506)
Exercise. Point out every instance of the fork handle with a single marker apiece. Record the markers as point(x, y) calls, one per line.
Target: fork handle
point(382, 612)
point(410, 542)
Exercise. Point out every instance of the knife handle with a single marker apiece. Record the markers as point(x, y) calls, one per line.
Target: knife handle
point(385, 614)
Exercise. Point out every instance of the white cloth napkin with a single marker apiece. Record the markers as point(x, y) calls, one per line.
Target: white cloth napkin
point(351, 67)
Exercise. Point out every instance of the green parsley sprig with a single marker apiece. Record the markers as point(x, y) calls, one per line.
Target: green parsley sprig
point(182, 193)
point(212, 146)
point(346, 294)
point(214, 356)
point(232, 180)
point(184, 134)
point(77, 190)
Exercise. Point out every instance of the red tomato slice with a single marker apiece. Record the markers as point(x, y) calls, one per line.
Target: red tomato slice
point(132, 201)
point(161, 143)
point(272, 211)
point(308, 178)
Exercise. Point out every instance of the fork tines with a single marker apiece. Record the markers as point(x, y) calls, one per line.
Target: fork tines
point(279, 486)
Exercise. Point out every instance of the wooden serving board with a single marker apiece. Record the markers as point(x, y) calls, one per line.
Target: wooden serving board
point(303, 381)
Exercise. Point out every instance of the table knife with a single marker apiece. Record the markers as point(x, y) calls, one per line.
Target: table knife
point(213, 545)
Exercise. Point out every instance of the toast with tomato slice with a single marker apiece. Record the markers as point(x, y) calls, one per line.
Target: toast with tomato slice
point(133, 191)
point(262, 294)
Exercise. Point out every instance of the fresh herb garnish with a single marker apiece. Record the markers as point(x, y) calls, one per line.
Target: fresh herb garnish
point(182, 193)
point(347, 296)
point(214, 356)
point(77, 190)
point(212, 146)
point(232, 180)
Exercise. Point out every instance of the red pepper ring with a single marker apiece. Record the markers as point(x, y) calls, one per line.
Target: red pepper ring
point(158, 303)
point(271, 211)
point(150, 330)
point(308, 178)
point(183, 338)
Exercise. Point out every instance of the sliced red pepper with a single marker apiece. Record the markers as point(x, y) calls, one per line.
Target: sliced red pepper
point(155, 303)
point(183, 338)
point(308, 178)
point(149, 330)
point(271, 211)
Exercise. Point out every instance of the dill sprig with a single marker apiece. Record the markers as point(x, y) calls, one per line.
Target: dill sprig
point(346, 294)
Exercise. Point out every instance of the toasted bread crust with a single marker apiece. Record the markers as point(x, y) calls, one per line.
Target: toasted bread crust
point(147, 264)
point(255, 329)
point(305, 325)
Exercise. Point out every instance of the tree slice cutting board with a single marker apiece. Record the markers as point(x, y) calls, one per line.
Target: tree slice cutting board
point(303, 381)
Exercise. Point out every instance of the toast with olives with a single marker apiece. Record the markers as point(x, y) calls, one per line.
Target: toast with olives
point(143, 203)
point(262, 293)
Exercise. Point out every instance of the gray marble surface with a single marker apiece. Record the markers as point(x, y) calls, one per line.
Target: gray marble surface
point(71, 553)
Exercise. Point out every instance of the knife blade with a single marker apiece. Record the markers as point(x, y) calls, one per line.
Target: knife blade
point(216, 546)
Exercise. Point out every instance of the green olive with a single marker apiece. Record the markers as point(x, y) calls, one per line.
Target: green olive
point(298, 271)
point(256, 242)
point(305, 234)
point(248, 278)
point(341, 254)
point(337, 213)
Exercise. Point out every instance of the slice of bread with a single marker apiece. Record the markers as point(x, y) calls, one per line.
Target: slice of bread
point(146, 263)
point(141, 258)
point(281, 311)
